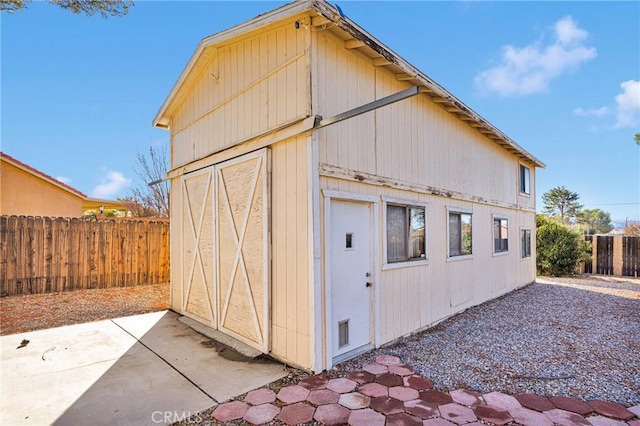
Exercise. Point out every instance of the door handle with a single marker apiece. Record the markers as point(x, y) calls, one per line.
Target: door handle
point(369, 284)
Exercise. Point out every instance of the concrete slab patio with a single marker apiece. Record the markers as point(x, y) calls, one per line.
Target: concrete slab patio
point(143, 369)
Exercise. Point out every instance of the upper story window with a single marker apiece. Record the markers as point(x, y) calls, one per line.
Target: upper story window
point(405, 233)
point(460, 234)
point(500, 235)
point(525, 180)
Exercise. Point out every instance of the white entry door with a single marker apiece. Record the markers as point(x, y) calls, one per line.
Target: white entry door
point(351, 282)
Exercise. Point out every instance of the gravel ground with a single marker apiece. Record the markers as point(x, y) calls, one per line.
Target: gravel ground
point(20, 314)
point(577, 337)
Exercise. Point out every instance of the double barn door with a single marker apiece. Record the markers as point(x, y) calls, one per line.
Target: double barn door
point(225, 248)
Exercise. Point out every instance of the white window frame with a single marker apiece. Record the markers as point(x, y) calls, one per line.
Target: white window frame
point(530, 243)
point(458, 210)
point(493, 241)
point(407, 263)
point(526, 183)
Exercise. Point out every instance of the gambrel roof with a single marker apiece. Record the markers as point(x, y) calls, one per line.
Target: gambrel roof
point(326, 16)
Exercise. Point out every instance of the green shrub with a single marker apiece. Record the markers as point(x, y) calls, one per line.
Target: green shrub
point(559, 250)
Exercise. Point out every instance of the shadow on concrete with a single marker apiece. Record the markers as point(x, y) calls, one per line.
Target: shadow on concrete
point(143, 369)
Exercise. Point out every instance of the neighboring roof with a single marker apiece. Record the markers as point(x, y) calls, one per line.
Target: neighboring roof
point(325, 14)
point(37, 173)
point(95, 203)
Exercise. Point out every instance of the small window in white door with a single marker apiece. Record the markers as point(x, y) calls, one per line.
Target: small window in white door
point(343, 333)
point(349, 241)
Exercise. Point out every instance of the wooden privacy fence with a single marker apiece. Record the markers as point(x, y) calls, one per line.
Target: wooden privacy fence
point(44, 254)
point(614, 255)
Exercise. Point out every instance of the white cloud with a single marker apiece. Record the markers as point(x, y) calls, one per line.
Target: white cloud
point(530, 69)
point(628, 104)
point(63, 179)
point(592, 112)
point(111, 184)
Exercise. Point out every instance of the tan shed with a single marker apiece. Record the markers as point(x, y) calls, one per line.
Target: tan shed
point(327, 197)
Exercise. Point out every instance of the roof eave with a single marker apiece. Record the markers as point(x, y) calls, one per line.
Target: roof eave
point(430, 87)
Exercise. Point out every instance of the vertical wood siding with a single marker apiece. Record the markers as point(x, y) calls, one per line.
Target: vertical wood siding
point(415, 297)
point(290, 251)
point(415, 141)
point(249, 86)
point(44, 254)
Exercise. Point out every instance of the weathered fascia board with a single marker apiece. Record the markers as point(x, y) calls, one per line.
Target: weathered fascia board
point(328, 170)
point(286, 131)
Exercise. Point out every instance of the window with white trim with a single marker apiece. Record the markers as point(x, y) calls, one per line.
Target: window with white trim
point(500, 235)
point(525, 243)
point(405, 233)
point(525, 178)
point(460, 234)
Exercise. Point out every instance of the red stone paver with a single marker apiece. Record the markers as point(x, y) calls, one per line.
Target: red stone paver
point(341, 385)
point(501, 400)
point(401, 369)
point(387, 359)
point(389, 380)
point(436, 397)
point(260, 396)
point(417, 382)
point(571, 404)
point(354, 400)
point(421, 409)
point(361, 376)
point(605, 421)
point(491, 414)
point(403, 419)
point(332, 414)
point(323, 396)
point(261, 414)
point(387, 405)
point(374, 390)
point(436, 422)
point(388, 391)
point(293, 394)
point(376, 368)
point(366, 417)
point(296, 413)
point(228, 411)
point(316, 382)
point(527, 417)
point(611, 409)
point(535, 402)
point(403, 393)
point(457, 413)
point(566, 418)
point(466, 397)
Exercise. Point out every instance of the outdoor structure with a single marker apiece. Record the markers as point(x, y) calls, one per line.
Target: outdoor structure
point(327, 197)
point(29, 192)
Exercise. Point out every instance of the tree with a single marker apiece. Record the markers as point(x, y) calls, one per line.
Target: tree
point(150, 198)
point(595, 221)
point(632, 229)
point(637, 137)
point(558, 249)
point(561, 203)
point(105, 8)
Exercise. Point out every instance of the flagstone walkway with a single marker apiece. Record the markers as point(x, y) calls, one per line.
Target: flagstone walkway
point(388, 392)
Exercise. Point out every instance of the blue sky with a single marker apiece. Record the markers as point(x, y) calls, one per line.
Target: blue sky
point(560, 78)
